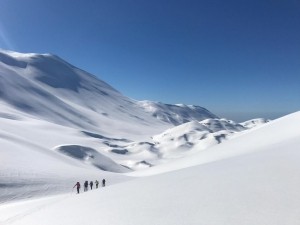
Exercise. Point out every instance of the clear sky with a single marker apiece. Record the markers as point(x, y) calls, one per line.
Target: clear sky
point(238, 58)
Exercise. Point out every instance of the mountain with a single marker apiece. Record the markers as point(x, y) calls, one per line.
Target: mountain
point(47, 87)
point(60, 124)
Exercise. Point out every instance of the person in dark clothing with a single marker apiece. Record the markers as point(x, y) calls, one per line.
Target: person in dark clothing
point(97, 183)
point(91, 185)
point(103, 183)
point(77, 185)
point(86, 184)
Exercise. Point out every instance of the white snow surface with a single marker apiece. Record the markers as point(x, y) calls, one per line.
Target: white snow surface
point(176, 114)
point(252, 178)
point(254, 122)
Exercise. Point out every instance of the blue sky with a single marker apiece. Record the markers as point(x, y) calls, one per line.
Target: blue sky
point(239, 59)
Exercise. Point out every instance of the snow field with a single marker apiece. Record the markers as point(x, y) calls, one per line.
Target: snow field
point(247, 189)
point(257, 186)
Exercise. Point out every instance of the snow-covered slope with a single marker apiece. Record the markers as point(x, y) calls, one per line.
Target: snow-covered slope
point(250, 179)
point(176, 142)
point(59, 123)
point(269, 135)
point(33, 165)
point(47, 87)
point(194, 136)
point(254, 122)
point(176, 114)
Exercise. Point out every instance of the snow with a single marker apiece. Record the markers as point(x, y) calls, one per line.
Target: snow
point(176, 114)
point(173, 164)
point(30, 157)
point(259, 186)
point(192, 137)
point(254, 122)
point(256, 139)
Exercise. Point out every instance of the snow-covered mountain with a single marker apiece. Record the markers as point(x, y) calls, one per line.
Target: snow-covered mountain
point(176, 114)
point(74, 126)
point(47, 87)
point(60, 125)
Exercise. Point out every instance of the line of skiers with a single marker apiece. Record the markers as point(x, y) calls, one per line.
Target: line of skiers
point(86, 185)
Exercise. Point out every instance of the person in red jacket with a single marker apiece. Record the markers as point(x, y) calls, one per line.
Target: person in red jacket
point(77, 185)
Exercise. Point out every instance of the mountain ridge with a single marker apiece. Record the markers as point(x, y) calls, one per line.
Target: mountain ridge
point(48, 87)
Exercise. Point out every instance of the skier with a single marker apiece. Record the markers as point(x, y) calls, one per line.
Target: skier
point(77, 185)
point(103, 183)
point(86, 184)
point(91, 185)
point(97, 183)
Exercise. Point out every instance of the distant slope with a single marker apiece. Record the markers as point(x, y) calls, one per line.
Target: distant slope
point(276, 132)
point(176, 142)
point(254, 122)
point(194, 136)
point(176, 114)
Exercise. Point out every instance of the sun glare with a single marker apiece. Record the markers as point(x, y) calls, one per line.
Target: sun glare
point(5, 42)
